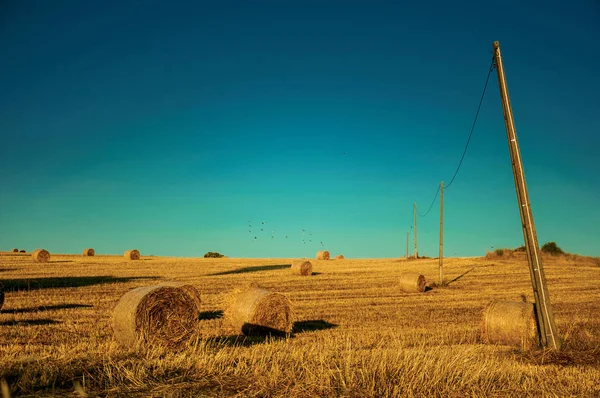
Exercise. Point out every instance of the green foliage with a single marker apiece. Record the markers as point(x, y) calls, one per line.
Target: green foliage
point(552, 248)
point(213, 255)
point(499, 252)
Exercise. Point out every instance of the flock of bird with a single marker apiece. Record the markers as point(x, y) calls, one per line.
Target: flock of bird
point(263, 226)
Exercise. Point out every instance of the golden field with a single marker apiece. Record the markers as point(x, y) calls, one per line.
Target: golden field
point(356, 334)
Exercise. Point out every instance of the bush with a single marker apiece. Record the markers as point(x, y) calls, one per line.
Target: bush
point(552, 248)
point(213, 255)
point(499, 252)
point(520, 249)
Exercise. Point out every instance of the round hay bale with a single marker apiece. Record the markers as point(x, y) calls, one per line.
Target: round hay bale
point(164, 315)
point(323, 255)
point(89, 252)
point(23, 251)
point(301, 267)
point(1, 295)
point(339, 257)
point(257, 311)
point(15, 250)
point(132, 254)
point(41, 256)
point(412, 282)
point(510, 323)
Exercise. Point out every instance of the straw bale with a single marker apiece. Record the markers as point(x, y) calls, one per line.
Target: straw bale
point(339, 257)
point(510, 323)
point(89, 252)
point(301, 267)
point(132, 254)
point(323, 255)
point(162, 315)
point(412, 282)
point(256, 311)
point(15, 250)
point(41, 256)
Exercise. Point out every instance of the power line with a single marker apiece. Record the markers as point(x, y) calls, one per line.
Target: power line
point(432, 202)
point(473, 125)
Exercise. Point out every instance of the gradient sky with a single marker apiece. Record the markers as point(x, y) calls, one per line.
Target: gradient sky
point(166, 125)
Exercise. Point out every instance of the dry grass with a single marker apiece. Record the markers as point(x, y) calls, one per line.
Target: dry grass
point(356, 334)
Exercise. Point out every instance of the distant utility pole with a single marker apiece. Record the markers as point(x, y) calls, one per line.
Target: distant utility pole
point(442, 233)
point(545, 317)
point(415, 211)
point(407, 244)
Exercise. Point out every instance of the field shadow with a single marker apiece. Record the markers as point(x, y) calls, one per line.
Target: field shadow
point(65, 281)
point(60, 261)
point(256, 268)
point(312, 325)
point(206, 315)
point(30, 322)
point(44, 308)
point(9, 269)
point(460, 276)
point(316, 273)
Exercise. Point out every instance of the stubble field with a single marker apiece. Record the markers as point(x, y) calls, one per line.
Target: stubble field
point(356, 334)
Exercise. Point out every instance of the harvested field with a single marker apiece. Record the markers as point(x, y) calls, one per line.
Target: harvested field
point(355, 333)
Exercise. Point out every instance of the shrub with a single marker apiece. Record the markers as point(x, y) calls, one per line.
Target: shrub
point(499, 252)
point(552, 248)
point(213, 255)
point(521, 249)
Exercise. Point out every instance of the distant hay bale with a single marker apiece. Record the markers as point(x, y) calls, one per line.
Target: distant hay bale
point(412, 282)
point(510, 323)
point(15, 250)
point(301, 267)
point(41, 256)
point(1, 295)
point(132, 254)
point(256, 311)
point(163, 315)
point(23, 251)
point(89, 252)
point(339, 257)
point(323, 255)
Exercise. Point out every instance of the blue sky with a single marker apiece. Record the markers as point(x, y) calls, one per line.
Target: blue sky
point(167, 126)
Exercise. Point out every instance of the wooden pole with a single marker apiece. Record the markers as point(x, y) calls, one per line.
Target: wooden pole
point(545, 317)
point(407, 244)
point(415, 211)
point(442, 233)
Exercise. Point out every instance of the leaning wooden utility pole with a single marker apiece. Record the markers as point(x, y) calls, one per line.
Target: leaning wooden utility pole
point(415, 222)
point(545, 318)
point(442, 233)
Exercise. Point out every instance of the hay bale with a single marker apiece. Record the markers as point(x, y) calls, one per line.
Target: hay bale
point(256, 311)
point(23, 251)
point(510, 323)
point(15, 250)
point(301, 267)
point(412, 282)
point(89, 252)
point(323, 255)
point(132, 254)
point(339, 257)
point(41, 256)
point(1, 295)
point(163, 315)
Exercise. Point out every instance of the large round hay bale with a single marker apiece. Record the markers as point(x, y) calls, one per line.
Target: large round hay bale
point(132, 254)
point(412, 282)
point(339, 257)
point(89, 252)
point(323, 255)
point(301, 267)
point(162, 315)
point(1, 295)
point(41, 256)
point(257, 311)
point(510, 323)
point(15, 250)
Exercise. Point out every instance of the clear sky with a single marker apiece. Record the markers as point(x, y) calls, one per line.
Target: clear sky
point(172, 126)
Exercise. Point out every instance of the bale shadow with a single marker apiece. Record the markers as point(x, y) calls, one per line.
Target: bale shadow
point(206, 315)
point(316, 273)
point(60, 261)
point(65, 281)
point(312, 325)
point(241, 340)
point(30, 322)
point(9, 269)
point(44, 308)
point(252, 269)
